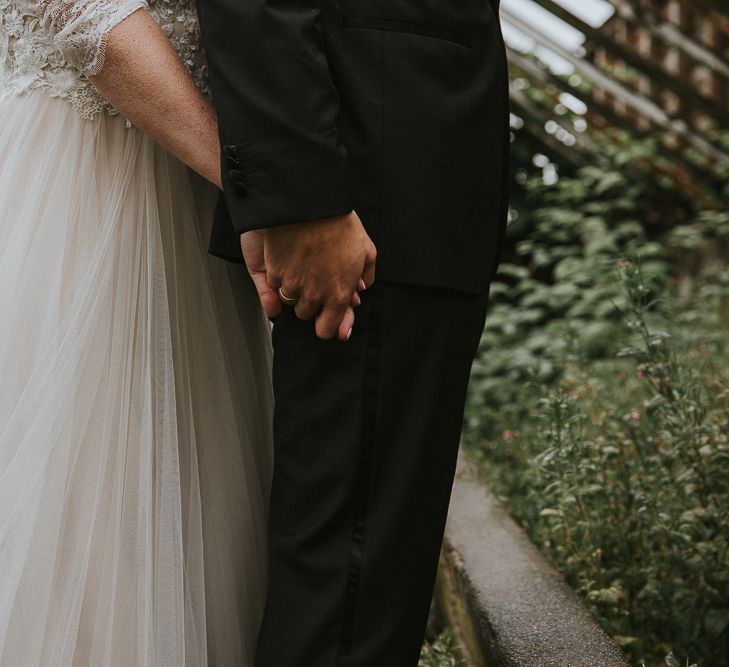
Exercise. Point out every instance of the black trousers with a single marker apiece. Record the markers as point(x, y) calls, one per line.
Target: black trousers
point(366, 436)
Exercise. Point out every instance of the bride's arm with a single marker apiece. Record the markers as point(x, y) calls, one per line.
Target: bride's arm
point(124, 53)
point(143, 77)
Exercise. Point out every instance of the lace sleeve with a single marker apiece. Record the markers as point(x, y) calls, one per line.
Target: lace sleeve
point(79, 28)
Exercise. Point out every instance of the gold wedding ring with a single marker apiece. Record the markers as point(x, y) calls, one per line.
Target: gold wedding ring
point(286, 299)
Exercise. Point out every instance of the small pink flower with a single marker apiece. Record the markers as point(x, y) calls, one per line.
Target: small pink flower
point(507, 435)
point(635, 416)
point(641, 374)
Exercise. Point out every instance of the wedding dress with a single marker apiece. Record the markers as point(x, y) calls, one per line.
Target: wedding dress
point(135, 399)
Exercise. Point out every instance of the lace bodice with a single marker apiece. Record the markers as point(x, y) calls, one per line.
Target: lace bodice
point(54, 44)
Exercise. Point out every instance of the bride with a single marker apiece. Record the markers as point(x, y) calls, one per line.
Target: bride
point(135, 405)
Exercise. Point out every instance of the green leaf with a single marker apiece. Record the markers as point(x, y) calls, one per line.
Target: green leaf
point(549, 512)
point(624, 641)
point(716, 621)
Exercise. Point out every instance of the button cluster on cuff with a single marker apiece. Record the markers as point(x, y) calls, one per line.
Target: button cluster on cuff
point(238, 172)
point(231, 153)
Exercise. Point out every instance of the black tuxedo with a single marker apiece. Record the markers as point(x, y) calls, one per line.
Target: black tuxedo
point(397, 109)
point(394, 108)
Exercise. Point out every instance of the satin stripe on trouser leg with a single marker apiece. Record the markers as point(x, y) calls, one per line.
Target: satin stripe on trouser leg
point(366, 439)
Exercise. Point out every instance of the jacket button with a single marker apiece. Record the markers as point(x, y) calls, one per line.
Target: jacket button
point(231, 154)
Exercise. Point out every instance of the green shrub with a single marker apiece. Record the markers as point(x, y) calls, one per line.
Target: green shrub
point(558, 280)
point(615, 461)
point(441, 651)
point(614, 454)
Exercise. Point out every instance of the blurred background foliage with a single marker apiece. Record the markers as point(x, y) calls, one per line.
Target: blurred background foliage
point(599, 402)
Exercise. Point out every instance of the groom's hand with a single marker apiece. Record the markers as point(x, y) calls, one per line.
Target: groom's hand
point(320, 264)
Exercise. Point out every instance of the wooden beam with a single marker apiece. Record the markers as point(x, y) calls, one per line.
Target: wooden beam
point(640, 104)
point(594, 107)
point(644, 17)
point(534, 125)
point(692, 179)
point(638, 62)
point(719, 6)
point(583, 141)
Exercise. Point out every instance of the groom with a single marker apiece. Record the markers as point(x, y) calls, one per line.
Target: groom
point(348, 125)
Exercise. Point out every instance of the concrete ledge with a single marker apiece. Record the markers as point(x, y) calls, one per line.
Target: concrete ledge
point(505, 603)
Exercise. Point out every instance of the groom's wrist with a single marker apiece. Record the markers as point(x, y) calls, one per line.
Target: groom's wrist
point(286, 182)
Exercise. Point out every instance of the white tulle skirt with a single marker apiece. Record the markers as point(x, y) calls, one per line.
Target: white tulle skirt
point(135, 406)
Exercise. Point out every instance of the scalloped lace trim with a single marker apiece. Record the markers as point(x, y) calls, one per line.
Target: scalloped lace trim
point(56, 44)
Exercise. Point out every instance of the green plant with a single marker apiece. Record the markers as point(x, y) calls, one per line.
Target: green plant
point(441, 651)
point(556, 281)
point(619, 470)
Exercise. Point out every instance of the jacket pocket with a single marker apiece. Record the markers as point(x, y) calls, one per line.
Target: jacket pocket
point(460, 37)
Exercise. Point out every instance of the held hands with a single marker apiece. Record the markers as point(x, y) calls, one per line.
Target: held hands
point(322, 264)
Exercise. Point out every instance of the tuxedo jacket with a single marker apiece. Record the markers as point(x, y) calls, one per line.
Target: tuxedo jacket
point(397, 109)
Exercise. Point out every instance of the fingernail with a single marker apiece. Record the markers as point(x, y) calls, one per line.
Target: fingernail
point(362, 287)
point(357, 300)
point(349, 333)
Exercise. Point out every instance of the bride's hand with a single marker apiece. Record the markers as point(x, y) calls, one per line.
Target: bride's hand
point(252, 245)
